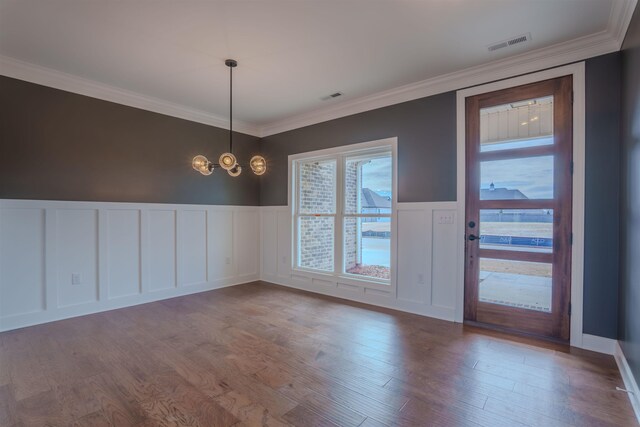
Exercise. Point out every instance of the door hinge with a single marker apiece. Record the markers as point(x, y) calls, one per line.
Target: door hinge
point(572, 96)
point(569, 309)
point(571, 239)
point(571, 167)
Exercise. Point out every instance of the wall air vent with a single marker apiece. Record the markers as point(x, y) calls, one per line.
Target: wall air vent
point(511, 42)
point(333, 95)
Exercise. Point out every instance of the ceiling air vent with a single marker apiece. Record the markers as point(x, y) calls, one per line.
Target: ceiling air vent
point(333, 95)
point(511, 42)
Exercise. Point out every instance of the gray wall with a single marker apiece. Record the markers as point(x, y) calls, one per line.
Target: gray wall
point(63, 146)
point(426, 131)
point(602, 195)
point(629, 327)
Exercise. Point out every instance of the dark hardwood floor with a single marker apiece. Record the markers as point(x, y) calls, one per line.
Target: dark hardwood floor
point(261, 354)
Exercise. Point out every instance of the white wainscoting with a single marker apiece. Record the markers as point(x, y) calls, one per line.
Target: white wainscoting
point(426, 261)
point(124, 254)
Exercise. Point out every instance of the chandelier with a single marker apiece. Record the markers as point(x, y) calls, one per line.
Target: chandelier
point(228, 161)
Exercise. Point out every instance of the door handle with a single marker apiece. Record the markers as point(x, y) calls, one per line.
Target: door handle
point(473, 237)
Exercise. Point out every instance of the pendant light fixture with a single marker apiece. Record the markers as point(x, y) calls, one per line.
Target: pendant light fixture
point(228, 161)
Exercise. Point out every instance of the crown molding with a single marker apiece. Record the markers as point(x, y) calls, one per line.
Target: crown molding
point(607, 41)
point(621, 14)
point(540, 59)
point(32, 73)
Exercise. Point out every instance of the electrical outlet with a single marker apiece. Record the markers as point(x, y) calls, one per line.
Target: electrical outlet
point(76, 278)
point(228, 260)
point(421, 278)
point(284, 259)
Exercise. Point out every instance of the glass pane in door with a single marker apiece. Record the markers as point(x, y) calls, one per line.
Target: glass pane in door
point(528, 230)
point(517, 179)
point(518, 284)
point(520, 124)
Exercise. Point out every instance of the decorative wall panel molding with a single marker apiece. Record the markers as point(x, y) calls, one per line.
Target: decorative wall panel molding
point(426, 267)
point(65, 259)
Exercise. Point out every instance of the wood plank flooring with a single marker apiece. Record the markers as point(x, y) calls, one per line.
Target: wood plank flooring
point(260, 354)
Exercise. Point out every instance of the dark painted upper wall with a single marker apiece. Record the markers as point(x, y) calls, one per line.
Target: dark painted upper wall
point(629, 325)
point(426, 131)
point(602, 195)
point(58, 145)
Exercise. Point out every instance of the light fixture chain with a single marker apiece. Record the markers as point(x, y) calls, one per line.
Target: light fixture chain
point(231, 109)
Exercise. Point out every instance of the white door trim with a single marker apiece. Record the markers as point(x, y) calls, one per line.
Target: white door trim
point(577, 70)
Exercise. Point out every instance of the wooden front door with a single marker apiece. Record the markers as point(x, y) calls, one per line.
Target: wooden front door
point(518, 208)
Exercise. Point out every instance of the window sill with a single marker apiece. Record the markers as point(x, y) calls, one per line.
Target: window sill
point(348, 279)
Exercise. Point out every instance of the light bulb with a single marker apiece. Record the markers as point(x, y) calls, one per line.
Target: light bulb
point(235, 170)
point(227, 161)
point(258, 165)
point(201, 164)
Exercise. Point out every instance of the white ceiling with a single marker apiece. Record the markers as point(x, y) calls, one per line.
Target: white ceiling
point(290, 53)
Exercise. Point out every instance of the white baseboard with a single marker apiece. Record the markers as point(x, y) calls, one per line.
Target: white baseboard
point(599, 344)
point(365, 296)
point(629, 381)
point(31, 319)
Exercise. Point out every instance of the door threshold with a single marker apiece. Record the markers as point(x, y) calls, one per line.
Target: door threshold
point(516, 335)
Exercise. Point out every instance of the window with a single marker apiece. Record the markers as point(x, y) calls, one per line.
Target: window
point(343, 212)
point(316, 214)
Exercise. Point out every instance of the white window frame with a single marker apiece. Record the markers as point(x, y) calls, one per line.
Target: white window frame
point(340, 154)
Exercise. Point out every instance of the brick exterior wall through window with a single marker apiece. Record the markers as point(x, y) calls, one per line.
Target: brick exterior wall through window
point(317, 196)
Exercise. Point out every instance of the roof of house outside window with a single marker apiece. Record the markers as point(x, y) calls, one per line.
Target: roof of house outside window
point(371, 199)
point(493, 193)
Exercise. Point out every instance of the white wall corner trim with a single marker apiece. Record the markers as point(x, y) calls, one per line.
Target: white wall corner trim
point(630, 383)
point(37, 74)
point(65, 259)
point(577, 70)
